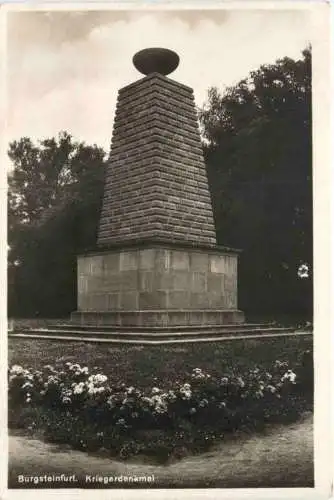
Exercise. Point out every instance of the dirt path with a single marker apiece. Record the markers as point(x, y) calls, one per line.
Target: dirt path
point(282, 457)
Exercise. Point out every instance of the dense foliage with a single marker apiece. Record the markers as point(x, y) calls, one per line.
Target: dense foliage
point(54, 200)
point(259, 161)
point(258, 152)
point(73, 404)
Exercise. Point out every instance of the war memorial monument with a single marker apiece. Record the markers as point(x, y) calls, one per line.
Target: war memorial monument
point(157, 263)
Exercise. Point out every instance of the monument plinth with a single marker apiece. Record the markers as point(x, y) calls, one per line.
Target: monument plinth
point(157, 261)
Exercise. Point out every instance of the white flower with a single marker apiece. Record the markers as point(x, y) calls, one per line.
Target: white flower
point(171, 395)
point(192, 411)
point(185, 394)
point(303, 271)
point(75, 367)
point(49, 367)
point(97, 379)
point(281, 364)
point(198, 374)
point(52, 379)
point(241, 382)
point(79, 388)
point(160, 408)
point(99, 389)
point(67, 392)
point(224, 381)
point(27, 384)
point(222, 404)
point(110, 402)
point(158, 402)
point(155, 390)
point(16, 369)
point(204, 402)
point(290, 376)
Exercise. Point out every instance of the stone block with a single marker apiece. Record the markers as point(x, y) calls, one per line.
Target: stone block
point(129, 318)
point(217, 263)
point(111, 263)
point(231, 265)
point(82, 284)
point(215, 283)
point(146, 259)
point(146, 281)
point(162, 259)
point(180, 260)
point(230, 284)
point(230, 299)
point(98, 302)
point(113, 301)
point(96, 265)
point(152, 300)
point(199, 300)
point(178, 300)
point(83, 266)
point(199, 262)
point(83, 302)
point(151, 319)
point(129, 261)
point(129, 280)
point(94, 283)
point(111, 282)
point(164, 280)
point(216, 300)
point(177, 318)
point(128, 300)
point(196, 318)
point(198, 282)
point(181, 280)
point(211, 318)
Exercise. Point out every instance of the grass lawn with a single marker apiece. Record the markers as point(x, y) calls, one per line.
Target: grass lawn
point(158, 365)
point(282, 457)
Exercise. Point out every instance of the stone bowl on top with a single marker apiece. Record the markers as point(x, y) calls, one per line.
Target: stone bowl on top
point(156, 60)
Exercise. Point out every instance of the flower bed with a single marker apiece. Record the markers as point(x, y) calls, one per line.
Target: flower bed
point(72, 404)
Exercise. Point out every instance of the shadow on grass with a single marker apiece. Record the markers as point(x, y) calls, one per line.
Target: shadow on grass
point(281, 457)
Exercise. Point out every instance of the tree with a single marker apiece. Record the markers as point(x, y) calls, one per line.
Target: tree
point(55, 191)
point(258, 152)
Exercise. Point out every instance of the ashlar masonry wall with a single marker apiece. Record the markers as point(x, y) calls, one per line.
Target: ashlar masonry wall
point(156, 185)
point(178, 283)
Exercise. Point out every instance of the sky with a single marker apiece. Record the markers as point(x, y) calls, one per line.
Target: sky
point(64, 68)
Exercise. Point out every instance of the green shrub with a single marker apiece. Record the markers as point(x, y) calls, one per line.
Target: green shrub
point(75, 406)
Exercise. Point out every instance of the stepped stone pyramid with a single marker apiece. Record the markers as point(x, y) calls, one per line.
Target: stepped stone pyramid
point(157, 261)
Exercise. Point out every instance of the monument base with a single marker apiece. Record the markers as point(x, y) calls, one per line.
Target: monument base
point(158, 286)
point(160, 319)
